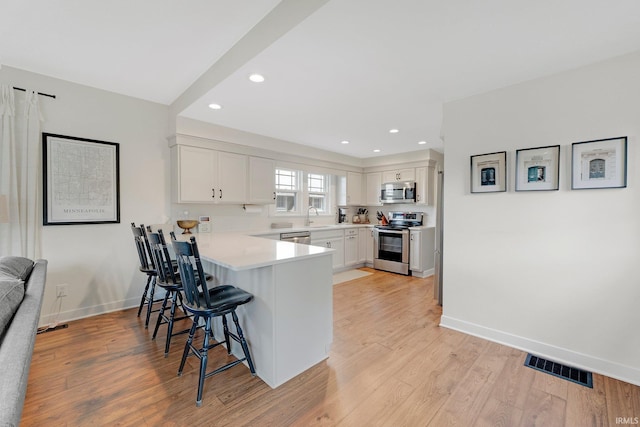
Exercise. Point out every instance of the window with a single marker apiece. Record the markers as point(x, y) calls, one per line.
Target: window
point(294, 187)
point(287, 189)
point(318, 192)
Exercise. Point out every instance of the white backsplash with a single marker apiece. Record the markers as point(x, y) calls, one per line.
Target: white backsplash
point(235, 218)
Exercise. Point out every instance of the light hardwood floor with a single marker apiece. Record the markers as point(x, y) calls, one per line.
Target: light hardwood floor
point(390, 365)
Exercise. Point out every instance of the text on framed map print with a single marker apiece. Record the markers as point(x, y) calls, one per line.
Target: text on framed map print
point(80, 180)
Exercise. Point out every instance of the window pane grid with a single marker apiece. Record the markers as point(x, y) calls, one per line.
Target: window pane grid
point(286, 180)
point(316, 183)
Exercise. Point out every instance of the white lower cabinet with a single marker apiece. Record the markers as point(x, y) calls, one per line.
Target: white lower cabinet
point(415, 251)
point(365, 244)
point(332, 239)
point(421, 252)
point(351, 247)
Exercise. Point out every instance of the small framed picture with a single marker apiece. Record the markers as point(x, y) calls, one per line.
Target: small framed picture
point(489, 172)
point(538, 169)
point(599, 164)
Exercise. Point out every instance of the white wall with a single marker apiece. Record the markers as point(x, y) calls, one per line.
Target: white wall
point(551, 272)
point(99, 262)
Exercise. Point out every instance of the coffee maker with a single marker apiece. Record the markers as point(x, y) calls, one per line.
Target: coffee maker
point(342, 215)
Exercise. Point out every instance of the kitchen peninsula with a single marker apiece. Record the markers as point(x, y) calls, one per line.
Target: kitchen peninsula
point(289, 323)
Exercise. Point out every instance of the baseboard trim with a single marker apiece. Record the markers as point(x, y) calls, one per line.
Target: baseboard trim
point(84, 312)
point(559, 354)
point(423, 274)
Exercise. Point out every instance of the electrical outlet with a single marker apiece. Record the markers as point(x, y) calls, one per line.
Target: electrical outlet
point(61, 290)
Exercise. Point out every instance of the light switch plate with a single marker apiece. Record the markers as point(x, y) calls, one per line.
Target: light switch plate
point(205, 224)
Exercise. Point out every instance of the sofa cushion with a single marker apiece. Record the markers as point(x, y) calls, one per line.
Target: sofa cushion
point(15, 267)
point(11, 294)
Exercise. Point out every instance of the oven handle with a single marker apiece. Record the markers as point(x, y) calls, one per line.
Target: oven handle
point(377, 230)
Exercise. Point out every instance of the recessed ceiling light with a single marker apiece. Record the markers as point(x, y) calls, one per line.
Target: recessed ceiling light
point(422, 142)
point(344, 142)
point(256, 78)
point(376, 151)
point(393, 131)
point(215, 106)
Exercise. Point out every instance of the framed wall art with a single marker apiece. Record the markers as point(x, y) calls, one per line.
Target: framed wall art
point(600, 163)
point(80, 180)
point(489, 172)
point(538, 169)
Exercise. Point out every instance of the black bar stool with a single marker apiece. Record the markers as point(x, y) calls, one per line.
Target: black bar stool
point(207, 304)
point(147, 266)
point(169, 280)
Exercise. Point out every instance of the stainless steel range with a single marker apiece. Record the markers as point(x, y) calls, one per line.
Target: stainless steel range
point(391, 242)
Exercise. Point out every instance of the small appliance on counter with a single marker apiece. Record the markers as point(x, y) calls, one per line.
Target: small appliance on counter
point(342, 215)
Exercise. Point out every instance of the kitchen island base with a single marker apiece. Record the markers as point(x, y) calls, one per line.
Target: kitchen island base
point(289, 323)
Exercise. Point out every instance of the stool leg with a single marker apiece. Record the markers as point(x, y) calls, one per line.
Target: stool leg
point(144, 294)
point(187, 345)
point(225, 327)
point(161, 315)
point(174, 302)
point(203, 360)
point(150, 302)
point(243, 342)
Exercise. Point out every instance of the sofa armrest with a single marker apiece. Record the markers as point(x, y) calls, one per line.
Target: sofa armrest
point(16, 347)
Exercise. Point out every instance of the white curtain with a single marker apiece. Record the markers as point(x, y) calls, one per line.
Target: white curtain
point(20, 172)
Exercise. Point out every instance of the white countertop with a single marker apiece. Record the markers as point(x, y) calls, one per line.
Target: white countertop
point(237, 251)
point(244, 251)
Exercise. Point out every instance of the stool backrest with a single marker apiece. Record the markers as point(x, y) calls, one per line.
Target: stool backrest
point(141, 246)
point(146, 244)
point(191, 272)
point(160, 253)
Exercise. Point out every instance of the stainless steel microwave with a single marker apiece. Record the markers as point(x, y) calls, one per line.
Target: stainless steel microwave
point(398, 192)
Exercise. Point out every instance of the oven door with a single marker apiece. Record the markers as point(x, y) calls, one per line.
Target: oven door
point(391, 250)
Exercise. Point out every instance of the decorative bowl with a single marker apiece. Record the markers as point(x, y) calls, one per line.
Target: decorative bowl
point(187, 225)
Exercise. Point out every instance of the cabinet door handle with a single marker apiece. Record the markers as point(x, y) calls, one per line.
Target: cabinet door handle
point(221, 193)
point(274, 195)
point(213, 193)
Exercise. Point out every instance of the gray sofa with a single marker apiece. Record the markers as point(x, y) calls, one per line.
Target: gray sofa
point(21, 290)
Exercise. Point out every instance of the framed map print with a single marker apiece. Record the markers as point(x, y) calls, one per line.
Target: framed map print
point(537, 169)
point(81, 180)
point(489, 172)
point(599, 164)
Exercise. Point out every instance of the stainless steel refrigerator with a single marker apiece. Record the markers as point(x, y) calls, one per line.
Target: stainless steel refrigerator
point(437, 280)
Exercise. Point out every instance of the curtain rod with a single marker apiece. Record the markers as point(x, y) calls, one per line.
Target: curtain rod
point(39, 93)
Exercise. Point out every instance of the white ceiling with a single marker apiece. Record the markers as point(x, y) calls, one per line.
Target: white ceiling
point(351, 70)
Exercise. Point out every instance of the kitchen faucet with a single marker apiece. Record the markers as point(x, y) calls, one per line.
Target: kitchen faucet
point(308, 222)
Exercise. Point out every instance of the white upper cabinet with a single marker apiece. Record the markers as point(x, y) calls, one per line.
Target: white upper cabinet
point(354, 189)
point(208, 176)
point(425, 185)
point(349, 190)
point(374, 184)
point(262, 181)
point(408, 174)
point(194, 179)
point(232, 178)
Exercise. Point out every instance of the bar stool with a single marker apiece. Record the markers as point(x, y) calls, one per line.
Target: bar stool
point(207, 304)
point(169, 280)
point(147, 266)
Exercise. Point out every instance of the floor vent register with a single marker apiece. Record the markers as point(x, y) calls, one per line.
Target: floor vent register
point(559, 370)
